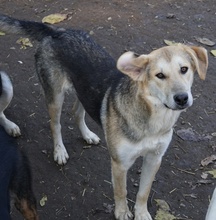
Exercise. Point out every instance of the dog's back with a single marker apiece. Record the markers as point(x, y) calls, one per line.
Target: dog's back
point(15, 176)
point(73, 54)
point(82, 62)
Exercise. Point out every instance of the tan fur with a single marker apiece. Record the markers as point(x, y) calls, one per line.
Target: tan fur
point(137, 112)
point(142, 125)
point(28, 211)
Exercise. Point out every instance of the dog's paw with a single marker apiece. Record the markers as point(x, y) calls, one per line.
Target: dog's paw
point(91, 138)
point(123, 215)
point(12, 129)
point(143, 216)
point(60, 154)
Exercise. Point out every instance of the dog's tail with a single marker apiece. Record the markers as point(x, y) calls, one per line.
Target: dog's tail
point(34, 30)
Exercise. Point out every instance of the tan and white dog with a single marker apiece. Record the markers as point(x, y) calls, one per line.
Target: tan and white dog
point(136, 103)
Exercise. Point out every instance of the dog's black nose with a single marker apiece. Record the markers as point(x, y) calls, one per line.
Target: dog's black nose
point(181, 99)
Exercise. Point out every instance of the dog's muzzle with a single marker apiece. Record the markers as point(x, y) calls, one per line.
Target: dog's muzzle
point(181, 100)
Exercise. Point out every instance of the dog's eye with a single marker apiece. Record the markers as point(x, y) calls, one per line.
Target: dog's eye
point(184, 69)
point(161, 76)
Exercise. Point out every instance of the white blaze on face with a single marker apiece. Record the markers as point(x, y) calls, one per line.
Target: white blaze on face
point(175, 82)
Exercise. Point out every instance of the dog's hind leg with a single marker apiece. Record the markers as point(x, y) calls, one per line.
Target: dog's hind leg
point(54, 84)
point(79, 112)
point(54, 109)
point(6, 95)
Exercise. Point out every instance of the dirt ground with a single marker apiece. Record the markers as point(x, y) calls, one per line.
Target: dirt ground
point(82, 188)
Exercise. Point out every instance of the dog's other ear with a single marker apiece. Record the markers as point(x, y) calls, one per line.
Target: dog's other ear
point(200, 58)
point(132, 65)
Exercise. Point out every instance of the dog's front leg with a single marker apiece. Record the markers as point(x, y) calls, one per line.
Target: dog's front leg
point(54, 108)
point(151, 164)
point(6, 96)
point(119, 175)
point(10, 127)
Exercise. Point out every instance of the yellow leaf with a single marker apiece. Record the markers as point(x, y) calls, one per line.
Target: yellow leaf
point(213, 52)
point(54, 18)
point(163, 215)
point(162, 204)
point(25, 42)
point(43, 201)
point(213, 173)
point(170, 43)
point(163, 211)
point(2, 33)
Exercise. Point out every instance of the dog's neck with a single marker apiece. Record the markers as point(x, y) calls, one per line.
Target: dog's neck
point(142, 115)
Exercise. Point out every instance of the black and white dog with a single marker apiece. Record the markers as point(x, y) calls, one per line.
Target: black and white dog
point(15, 173)
point(6, 94)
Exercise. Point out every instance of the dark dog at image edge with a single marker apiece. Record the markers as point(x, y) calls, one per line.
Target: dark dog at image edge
point(15, 173)
point(136, 100)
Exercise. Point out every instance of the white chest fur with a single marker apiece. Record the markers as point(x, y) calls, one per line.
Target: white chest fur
point(157, 136)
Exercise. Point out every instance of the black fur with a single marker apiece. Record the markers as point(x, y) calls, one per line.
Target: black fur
point(74, 52)
point(87, 64)
point(40, 30)
point(15, 176)
point(0, 85)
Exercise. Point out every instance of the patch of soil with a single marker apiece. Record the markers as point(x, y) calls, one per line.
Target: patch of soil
point(82, 188)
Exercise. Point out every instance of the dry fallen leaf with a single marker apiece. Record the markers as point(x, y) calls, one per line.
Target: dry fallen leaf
point(43, 201)
point(213, 52)
point(54, 18)
point(205, 41)
point(170, 43)
point(208, 160)
point(162, 204)
point(2, 33)
point(163, 211)
point(25, 42)
point(213, 173)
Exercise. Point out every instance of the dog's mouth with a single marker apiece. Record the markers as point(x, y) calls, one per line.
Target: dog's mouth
point(177, 107)
point(181, 101)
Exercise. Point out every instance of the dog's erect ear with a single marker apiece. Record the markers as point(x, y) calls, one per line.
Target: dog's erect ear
point(132, 65)
point(200, 58)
